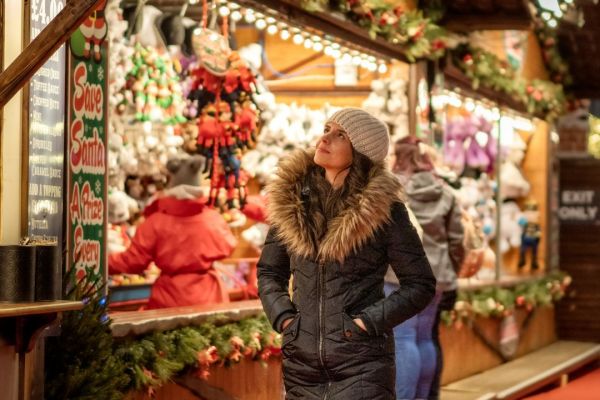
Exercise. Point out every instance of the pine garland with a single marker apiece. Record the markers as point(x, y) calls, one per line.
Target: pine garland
point(554, 61)
point(154, 359)
point(486, 69)
point(498, 302)
point(419, 35)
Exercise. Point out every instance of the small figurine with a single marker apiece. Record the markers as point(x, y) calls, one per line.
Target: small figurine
point(530, 238)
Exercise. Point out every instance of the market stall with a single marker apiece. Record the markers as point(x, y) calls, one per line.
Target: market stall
point(490, 142)
point(152, 84)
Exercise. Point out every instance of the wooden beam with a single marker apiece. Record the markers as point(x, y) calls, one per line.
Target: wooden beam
point(319, 91)
point(494, 22)
point(1, 108)
point(36, 54)
point(25, 128)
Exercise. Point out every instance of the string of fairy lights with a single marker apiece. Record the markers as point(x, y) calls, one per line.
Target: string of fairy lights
point(300, 36)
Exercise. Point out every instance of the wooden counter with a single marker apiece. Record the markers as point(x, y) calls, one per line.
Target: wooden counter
point(141, 322)
point(22, 325)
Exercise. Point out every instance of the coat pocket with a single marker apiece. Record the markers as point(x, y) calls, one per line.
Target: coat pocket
point(289, 336)
point(351, 331)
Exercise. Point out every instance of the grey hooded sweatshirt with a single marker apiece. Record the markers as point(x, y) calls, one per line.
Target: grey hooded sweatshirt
point(439, 215)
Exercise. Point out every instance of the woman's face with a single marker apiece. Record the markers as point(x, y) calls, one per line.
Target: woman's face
point(334, 150)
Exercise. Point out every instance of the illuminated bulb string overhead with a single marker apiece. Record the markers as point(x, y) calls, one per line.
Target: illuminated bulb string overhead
point(552, 12)
point(300, 37)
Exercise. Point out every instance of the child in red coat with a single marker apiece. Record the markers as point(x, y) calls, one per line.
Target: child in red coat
point(183, 237)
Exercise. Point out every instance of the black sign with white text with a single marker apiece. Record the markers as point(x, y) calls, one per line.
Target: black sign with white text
point(47, 92)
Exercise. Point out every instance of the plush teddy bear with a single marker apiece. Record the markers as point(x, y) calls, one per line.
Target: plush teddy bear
point(510, 227)
point(514, 185)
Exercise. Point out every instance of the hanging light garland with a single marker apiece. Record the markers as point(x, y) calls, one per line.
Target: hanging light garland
point(551, 12)
point(301, 36)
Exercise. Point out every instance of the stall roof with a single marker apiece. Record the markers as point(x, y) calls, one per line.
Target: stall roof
point(581, 48)
point(473, 15)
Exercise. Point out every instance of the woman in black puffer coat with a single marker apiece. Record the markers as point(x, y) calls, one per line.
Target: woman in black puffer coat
point(337, 222)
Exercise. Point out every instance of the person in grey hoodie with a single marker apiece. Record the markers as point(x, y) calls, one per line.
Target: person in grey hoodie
point(418, 357)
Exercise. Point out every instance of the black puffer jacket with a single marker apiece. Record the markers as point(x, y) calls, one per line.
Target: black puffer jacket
point(325, 354)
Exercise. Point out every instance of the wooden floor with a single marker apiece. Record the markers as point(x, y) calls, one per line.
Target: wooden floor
point(524, 375)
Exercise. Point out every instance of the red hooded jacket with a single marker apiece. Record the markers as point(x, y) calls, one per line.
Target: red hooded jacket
point(183, 238)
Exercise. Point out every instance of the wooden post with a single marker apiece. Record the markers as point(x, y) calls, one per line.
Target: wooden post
point(413, 88)
point(57, 32)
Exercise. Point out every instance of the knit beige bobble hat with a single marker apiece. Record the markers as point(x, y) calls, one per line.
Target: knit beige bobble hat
point(368, 135)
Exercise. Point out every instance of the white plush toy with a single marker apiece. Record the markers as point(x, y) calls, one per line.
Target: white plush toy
point(120, 208)
point(510, 226)
point(514, 185)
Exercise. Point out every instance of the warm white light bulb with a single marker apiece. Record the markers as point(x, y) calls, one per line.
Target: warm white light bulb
point(382, 68)
point(285, 34)
point(236, 15)
point(272, 29)
point(298, 39)
point(346, 58)
point(552, 23)
point(356, 60)
point(224, 11)
point(250, 17)
point(318, 47)
point(260, 24)
point(328, 51)
point(372, 67)
point(365, 63)
point(308, 43)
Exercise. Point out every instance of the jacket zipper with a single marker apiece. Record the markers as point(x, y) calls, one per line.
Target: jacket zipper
point(321, 290)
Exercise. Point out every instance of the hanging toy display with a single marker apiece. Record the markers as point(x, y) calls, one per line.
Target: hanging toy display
point(469, 144)
point(221, 90)
point(156, 92)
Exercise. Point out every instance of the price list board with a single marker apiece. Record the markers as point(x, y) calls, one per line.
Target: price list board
point(47, 98)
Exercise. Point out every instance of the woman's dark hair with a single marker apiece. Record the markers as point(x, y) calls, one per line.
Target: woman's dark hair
point(409, 158)
point(325, 202)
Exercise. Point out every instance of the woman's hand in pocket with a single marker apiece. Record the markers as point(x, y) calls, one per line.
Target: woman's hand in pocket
point(286, 323)
point(359, 322)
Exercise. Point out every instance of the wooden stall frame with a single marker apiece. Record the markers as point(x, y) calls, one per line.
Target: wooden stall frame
point(1, 108)
point(25, 125)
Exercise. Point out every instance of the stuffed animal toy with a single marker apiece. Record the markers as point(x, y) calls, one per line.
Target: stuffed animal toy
point(514, 184)
point(531, 235)
point(510, 226)
point(120, 209)
point(468, 143)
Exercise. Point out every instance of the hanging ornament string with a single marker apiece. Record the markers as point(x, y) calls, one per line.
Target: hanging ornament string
point(216, 173)
point(225, 27)
point(204, 13)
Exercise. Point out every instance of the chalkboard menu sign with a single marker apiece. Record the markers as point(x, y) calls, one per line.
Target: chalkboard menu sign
point(46, 134)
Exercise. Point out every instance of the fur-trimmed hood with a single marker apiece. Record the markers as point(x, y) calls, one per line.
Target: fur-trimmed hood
point(364, 211)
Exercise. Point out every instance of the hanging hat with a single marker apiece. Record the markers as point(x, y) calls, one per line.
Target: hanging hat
point(368, 135)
